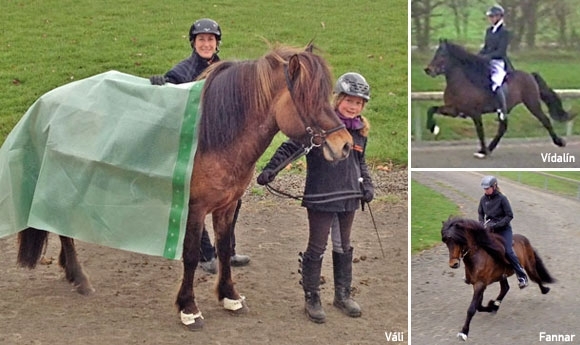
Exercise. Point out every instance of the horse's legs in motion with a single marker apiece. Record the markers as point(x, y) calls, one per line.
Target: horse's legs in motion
point(478, 289)
point(501, 129)
point(482, 153)
point(72, 268)
point(533, 104)
point(493, 306)
point(190, 314)
point(443, 110)
point(223, 223)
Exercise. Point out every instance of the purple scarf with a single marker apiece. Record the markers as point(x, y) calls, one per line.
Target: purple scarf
point(354, 123)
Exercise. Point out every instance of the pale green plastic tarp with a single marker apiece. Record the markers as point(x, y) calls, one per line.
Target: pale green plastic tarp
point(106, 160)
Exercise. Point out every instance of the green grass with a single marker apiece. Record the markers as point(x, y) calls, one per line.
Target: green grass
point(428, 209)
point(46, 44)
point(547, 181)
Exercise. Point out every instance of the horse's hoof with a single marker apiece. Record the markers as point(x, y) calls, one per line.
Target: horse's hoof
point(84, 289)
point(544, 290)
point(193, 322)
point(462, 336)
point(479, 155)
point(436, 130)
point(560, 142)
point(236, 306)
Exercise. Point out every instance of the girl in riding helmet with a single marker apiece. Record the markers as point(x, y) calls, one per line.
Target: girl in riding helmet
point(204, 37)
point(323, 178)
point(495, 49)
point(495, 213)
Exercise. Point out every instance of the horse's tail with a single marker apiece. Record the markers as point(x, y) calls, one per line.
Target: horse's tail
point(552, 100)
point(543, 273)
point(31, 242)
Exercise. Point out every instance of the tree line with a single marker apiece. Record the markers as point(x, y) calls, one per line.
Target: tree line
point(526, 19)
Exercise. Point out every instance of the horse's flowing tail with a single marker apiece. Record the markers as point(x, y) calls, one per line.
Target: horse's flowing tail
point(543, 273)
point(552, 100)
point(31, 242)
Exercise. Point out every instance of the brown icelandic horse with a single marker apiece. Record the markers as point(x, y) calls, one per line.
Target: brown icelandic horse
point(468, 94)
point(244, 104)
point(483, 254)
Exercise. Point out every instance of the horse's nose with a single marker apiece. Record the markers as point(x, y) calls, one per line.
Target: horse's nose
point(346, 149)
point(454, 264)
point(427, 70)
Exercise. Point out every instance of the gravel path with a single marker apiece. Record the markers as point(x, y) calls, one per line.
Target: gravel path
point(511, 153)
point(439, 298)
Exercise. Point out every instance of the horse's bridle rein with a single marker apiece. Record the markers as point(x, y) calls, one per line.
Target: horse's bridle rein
point(317, 138)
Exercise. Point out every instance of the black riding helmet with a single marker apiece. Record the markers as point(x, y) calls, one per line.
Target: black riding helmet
point(495, 10)
point(488, 181)
point(205, 26)
point(353, 84)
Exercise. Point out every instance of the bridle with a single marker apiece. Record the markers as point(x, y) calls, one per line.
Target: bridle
point(317, 137)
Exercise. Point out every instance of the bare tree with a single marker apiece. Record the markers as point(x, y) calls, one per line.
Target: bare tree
point(421, 15)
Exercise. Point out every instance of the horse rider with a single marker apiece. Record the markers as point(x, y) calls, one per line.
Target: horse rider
point(495, 49)
point(351, 94)
point(495, 213)
point(204, 37)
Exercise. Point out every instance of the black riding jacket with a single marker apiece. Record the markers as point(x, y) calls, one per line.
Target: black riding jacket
point(495, 45)
point(326, 177)
point(497, 209)
point(187, 70)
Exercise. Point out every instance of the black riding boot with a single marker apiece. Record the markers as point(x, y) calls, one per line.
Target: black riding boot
point(520, 273)
point(342, 266)
point(500, 96)
point(310, 268)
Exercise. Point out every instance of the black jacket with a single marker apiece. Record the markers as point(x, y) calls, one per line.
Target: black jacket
point(495, 45)
point(497, 209)
point(187, 70)
point(326, 177)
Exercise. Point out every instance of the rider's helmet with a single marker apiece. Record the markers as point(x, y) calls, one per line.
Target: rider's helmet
point(205, 26)
point(495, 10)
point(353, 84)
point(488, 181)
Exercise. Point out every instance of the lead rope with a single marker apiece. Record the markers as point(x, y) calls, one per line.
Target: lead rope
point(340, 195)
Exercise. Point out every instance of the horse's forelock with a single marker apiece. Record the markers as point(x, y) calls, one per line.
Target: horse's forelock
point(313, 85)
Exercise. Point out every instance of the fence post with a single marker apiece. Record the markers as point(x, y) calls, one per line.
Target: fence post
point(417, 124)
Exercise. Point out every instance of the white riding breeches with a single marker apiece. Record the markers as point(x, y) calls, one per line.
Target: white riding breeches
point(498, 73)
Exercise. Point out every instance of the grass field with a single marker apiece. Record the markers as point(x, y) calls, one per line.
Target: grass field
point(428, 208)
point(548, 180)
point(46, 44)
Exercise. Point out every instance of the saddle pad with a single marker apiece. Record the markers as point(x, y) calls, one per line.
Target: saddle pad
point(106, 160)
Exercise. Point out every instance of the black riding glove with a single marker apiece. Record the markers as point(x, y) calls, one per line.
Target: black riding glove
point(490, 226)
point(267, 176)
point(368, 196)
point(157, 80)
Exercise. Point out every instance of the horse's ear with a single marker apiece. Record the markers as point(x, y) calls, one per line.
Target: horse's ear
point(293, 66)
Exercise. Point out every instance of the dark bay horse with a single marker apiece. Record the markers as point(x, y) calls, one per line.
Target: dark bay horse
point(483, 254)
point(468, 94)
point(244, 104)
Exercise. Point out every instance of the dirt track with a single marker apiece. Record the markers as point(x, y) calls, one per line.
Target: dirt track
point(511, 153)
point(134, 299)
point(439, 298)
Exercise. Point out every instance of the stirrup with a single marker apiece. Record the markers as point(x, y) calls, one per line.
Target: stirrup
point(522, 282)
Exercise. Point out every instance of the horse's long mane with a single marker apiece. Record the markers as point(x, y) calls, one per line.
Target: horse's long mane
point(459, 230)
point(234, 90)
point(476, 67)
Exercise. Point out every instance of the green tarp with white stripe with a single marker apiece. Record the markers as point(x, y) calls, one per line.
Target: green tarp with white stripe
point(106, 160)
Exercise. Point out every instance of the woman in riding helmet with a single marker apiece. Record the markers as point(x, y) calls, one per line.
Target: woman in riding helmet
point(204, 37)
point(323, 178)
point(495, 49)
point(495, 213)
